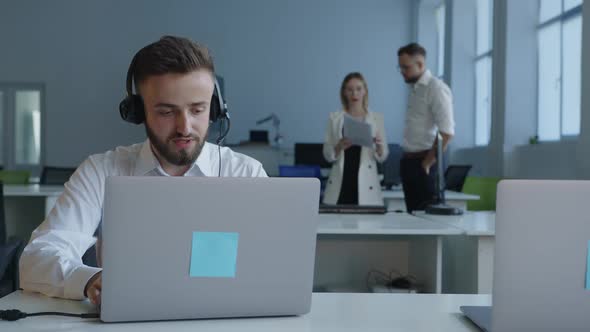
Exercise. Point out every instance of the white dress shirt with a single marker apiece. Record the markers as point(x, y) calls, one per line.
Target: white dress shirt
point(430, 109)
point(51, 263)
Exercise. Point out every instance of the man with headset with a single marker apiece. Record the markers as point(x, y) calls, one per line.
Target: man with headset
point(177, 99)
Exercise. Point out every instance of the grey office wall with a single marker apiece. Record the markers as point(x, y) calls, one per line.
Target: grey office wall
point(286, 57)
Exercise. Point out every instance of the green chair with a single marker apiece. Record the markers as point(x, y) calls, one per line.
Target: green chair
point(15, 177)
point(485, 188)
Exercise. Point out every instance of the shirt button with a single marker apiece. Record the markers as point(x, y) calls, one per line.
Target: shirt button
point(369, 166)
point(371, 188)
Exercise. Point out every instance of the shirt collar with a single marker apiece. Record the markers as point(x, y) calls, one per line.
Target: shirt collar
point(425, 78)
point(203, 162)
point(148, 163)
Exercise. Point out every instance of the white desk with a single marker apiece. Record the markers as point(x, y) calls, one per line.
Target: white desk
point(382, 224)
point(26, 207)
point(394, 199)
point(50, 193)
point(349, 246)
point(32, 190)
point(330, 313)
point(470, 258)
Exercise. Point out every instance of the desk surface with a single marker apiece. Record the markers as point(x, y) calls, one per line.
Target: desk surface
point(480, 223)
point(383, 224)
point(332, 312)
point(47, 190)
point(397, 193)
point(32, 190)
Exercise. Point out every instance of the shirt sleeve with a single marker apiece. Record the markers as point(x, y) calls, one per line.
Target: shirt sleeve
point(51, 263)
point(381, 132)
point(258, 171)
point(330, 141)
point(442, 108)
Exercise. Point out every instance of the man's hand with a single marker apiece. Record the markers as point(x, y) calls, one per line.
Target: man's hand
point(427, 162)
point(430, 158)
point(93, 288)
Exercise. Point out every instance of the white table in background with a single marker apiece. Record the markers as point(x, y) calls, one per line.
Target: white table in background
point(26, 206)
point(330, 312)
point(367, 237)
point(349, 246)
point(471, 257)
point(51, 193)
point(394, 199)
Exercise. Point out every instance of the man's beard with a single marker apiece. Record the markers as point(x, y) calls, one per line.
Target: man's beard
point(180, 158)
point(413, 80)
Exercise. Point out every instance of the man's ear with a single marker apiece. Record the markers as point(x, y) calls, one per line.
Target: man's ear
point(421, 63)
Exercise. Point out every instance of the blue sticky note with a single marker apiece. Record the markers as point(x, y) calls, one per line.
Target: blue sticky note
point(214, 254)
point(588, 268)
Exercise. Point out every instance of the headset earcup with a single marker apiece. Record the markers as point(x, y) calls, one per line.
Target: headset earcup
point(214, 110)
point(132, 110)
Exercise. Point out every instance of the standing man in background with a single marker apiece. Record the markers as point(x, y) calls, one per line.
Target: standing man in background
point(430, 111)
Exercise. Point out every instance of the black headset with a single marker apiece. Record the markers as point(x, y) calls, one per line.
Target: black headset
point(132, 108)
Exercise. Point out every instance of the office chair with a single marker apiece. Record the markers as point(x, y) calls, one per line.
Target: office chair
point(56, 175)
point(390, 167)
point(300, 171)
point(90, 257)
point(455, 177)
point(14, 177)
point(303, 171)
point(486, 188)
point(9, 254)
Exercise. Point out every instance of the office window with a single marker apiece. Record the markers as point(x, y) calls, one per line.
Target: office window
point(483, 71)
point(549, 82)
point(549, 9)
point(570, 4)
point(21, 105)
point(572, 80)
point(559, 64)
point(27, 127)
point(440, 14)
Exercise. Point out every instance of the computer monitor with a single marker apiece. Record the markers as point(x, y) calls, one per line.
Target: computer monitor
point(310, 154)
point(390, 167)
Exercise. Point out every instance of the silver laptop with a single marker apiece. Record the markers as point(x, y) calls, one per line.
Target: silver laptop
point(195, 247)
point(541, 258)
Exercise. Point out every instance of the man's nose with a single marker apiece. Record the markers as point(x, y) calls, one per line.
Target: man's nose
point(183, 126)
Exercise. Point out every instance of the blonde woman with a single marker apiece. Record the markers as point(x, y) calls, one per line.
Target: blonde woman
point(353, 177)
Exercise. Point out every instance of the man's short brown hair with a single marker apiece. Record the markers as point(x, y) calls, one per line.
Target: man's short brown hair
point(412, 49)
point(171, 54)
